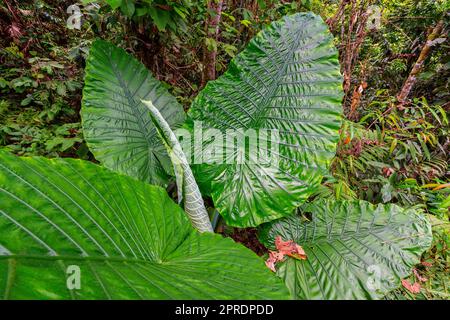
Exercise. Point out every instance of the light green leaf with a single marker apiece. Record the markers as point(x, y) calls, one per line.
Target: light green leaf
point(246, 23)
point(229, 49)
point(127, 239)
point(160, 17)
point(211, 44)
point(287, 80)
point(114, 3)
point(128, 8)
point(386, 192)
point(61, 89)
point(116, 124)
point(355, 250)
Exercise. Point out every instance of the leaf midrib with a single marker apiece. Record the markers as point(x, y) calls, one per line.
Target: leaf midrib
point(130, 97)
point(147, 134)
point(78, 258)
point(359, 234)
point(261, 112)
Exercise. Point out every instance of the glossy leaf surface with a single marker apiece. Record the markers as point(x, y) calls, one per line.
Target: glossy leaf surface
point(127, 239)
point(116, 124)
point(354, 249)
point(286, 81)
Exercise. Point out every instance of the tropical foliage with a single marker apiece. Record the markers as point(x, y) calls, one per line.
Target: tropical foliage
point(286, 80)
point(120, 232)
point(354, 206)
point(114, 118)
point(354, 250)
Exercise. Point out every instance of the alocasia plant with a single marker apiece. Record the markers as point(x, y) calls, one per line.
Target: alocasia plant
point(287, 79)
point(128, 239)
point(354, 249)
point(188, 191)
point(116, 124)
point(127, 234)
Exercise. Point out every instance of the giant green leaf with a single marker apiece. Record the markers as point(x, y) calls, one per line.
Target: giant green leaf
point(128, 239)
point(116, 124)
point(286, 80)
point(355, 250)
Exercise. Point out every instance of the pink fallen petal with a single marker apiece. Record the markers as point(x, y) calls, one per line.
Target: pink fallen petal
point(413, 288)
point(274, 257)
point(283, 246)
point(270, 262)
point(271, 265)
point(278, 256)
point(419, 277)
point(290, 248)
point(416, 287)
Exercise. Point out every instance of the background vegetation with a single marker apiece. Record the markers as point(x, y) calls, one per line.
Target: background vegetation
point(393, 149)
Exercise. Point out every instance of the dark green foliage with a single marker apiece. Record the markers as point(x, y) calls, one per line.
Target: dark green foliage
point(401, 159)
point(388, 53)
point(40, 86)
point(164, 14)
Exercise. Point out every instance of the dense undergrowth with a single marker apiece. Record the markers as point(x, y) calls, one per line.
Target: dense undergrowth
point(388, 152)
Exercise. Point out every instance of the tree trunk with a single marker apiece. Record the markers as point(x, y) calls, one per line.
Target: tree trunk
point(418, 66)
point(212, 31)
point(337, 17)
point(353, 39)
point(356, 100)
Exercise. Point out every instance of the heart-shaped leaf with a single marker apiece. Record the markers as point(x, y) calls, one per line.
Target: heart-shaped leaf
point(287, 81)
point(70, 229)
point(116, 124)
